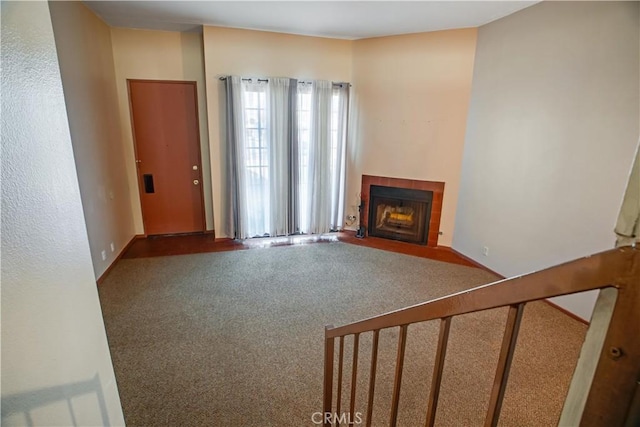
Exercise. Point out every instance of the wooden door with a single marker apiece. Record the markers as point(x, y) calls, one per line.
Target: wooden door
point(167, 142)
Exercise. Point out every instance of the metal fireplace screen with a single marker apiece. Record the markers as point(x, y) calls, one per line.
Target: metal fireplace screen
point(400, 213)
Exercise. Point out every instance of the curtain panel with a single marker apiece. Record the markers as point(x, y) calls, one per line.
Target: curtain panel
point(286, 146)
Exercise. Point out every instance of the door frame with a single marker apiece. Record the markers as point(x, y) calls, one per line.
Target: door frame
point(135, 147)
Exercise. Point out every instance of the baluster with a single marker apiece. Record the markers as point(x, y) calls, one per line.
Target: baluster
point(436, 380)
point(328, 375)
point(354, 375)
point(372, 376)
point(340, 357)
point(402, 341)
point(504, 364)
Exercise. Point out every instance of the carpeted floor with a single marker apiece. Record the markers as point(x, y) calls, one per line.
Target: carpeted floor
point(236, 339)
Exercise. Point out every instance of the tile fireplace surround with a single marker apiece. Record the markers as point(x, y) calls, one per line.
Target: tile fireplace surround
point(436, 205)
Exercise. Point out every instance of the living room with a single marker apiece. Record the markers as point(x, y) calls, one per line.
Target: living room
point(530, 121)
point(412, 121)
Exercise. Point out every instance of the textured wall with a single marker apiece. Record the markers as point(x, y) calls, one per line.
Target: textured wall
point(160, 55)
point(83, 43)
point(411, 95)
point(53, 338)
point(552, 129)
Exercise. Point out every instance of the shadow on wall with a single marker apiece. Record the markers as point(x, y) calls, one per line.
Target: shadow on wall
point(35, 407)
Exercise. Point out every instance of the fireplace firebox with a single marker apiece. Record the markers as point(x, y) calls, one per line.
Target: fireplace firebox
point(400, 213)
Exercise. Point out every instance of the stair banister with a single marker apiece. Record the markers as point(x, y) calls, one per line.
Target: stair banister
point(607, 403)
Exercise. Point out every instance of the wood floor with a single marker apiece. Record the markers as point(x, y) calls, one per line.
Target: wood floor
point(198, 243)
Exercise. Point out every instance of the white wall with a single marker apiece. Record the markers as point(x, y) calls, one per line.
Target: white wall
point(85, 54)
point(410, 100)
point(552, 128)
point(53, 337)
point(231, 51)
point(159, 55)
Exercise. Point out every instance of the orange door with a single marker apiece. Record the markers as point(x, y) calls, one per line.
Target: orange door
point(167, 141)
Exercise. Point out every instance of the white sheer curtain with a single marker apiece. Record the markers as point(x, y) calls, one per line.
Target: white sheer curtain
point(256, 214)
point(322, 178)
point(319, 170)
point(248, 158)
point(286, 163)
point(303, 175)
point(279, 117)
point(339, 121)
point(236, 187)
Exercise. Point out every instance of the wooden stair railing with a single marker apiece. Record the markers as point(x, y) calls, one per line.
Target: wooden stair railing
point(605, 388)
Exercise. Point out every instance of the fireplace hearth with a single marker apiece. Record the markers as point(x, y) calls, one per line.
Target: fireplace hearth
point(400, 213)
point(432, 226)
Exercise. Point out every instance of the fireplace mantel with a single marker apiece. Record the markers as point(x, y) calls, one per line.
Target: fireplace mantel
point(436, 205)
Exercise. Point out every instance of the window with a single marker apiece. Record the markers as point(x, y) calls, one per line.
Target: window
point(256, 158)
point(303, 115)
point(277, 192)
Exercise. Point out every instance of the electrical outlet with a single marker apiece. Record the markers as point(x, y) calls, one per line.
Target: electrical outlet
point(113, 247)
point(351, 217)
point(485, 250)
point(104, 255)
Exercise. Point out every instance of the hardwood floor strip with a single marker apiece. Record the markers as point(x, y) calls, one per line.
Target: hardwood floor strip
point(198, 243)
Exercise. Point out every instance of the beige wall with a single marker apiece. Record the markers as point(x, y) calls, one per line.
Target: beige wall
point(86, 63)
point(552, 129)
point(159, 55)
point(411, 95)
point(53, 339)
point(261, 54)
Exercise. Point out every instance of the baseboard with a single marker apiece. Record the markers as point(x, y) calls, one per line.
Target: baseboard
point(556, 306)
point(474, 262)
point(567, 312)
point(117, 258)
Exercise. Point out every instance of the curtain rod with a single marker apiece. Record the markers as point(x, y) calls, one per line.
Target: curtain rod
point(299, 81)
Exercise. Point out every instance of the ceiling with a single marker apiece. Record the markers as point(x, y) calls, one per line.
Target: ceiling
point(335, 19)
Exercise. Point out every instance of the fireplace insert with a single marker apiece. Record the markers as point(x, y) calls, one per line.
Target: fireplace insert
point(400, 213)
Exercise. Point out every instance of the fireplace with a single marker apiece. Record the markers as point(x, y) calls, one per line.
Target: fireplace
point(432, 222)
point(399, 213)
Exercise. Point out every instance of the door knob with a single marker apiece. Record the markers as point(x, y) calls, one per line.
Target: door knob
point(196, 182)
point(195, 167)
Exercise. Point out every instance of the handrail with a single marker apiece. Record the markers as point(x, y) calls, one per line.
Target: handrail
point(584, 274)
point(608, 400)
